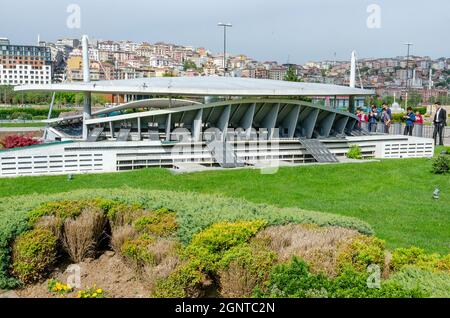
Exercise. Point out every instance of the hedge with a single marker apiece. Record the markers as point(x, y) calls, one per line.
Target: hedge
point(195, 212)
point(10, 113)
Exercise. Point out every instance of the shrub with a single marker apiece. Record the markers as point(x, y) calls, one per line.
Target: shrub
point(195, 212)
point(421, 110)
point(402, 257)
point(17, 141)
point(362, 252)
point(69, 208)
point(353, 284)
point(82, 235)
point(186, 281)
point(159, 223)
point(222, 236)
point(21, 116)
point(318, 246)
point(120, 235)
point(39, 117)
point(121, 214)
point(432, 283)
point(166, 259)
point(244, 267)
point(354, 152)
point(202, 257)
point(440, 164)
point(209, 245)
point(33, 253)
point(137, 251)
point(293, 280)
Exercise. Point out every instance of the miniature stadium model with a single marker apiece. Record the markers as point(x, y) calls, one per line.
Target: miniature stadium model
point(200, 122)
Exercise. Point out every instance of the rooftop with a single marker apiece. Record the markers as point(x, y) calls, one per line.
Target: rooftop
point(201, 86)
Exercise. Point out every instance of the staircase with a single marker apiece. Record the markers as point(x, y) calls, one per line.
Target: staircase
point(224, 154)
point(95, 134)
point(124, 134)
point(318, 150)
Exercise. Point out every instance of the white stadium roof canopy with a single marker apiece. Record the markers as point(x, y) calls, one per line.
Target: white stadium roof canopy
point(201, 86)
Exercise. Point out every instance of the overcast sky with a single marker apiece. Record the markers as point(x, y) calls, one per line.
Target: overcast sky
point(298, 30)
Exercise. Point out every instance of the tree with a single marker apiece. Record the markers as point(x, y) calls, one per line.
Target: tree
point(291, 75)
point(189, 65)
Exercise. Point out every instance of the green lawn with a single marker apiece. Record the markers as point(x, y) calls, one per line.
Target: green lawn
point(19, 125)
point(394, 196)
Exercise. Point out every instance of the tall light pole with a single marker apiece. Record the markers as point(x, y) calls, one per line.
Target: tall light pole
point(225, 26)
point(407, 74)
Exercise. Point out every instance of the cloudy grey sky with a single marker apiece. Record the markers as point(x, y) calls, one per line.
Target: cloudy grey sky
point(302, 30)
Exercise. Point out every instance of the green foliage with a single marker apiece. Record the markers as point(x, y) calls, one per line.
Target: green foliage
point(421, 110)
point(69, 208)
point(137, 250)
point(362, 252)
point(293, 280)
point(291, 75)
point(185, 281)
point(402, 257)
point(189, 65)
point(120, 214)
point(29, 113)
point(435, 284)
point(92, 292)
point(55, 286)
point(354, 152)
point(440, 164)
point(203, 256)
point(160, 223)
point(33, 253)
point(222, 236)
point(244, 267)
point(21, 116)
point(195, 212)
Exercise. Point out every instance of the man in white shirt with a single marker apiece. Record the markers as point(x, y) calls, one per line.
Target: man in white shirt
point(439, 121)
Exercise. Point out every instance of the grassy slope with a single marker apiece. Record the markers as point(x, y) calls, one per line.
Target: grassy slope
point(394, 196)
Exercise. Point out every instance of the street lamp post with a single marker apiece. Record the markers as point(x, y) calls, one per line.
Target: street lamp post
point(407, 74)
point(225, 26)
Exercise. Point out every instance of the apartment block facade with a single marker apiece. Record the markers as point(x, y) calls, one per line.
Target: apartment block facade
point(21, 64)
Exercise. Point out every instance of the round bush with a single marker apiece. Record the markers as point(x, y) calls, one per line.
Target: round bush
point(362, 252)
point(33, 253)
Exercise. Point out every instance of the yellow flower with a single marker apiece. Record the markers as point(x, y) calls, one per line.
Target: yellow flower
point(94, 295)
point(99, 291)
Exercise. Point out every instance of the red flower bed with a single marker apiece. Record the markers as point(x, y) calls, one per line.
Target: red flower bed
point(17, 141)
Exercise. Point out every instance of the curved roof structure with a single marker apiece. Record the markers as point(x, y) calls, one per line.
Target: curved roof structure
point(155, 103)
point(201, 86)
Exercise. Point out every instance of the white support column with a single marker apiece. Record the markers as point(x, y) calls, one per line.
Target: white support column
point(168, 128)
point(310, 122)
point(87, 112)
point(270, 120)
point(111, 129)
point(291, 121)
point(340, 124)
point(224, 119)
point(327, 124)
point(197, 125)
point(139, 128)
point(247, 120)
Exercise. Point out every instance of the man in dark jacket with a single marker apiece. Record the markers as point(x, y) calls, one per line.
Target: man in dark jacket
point(439, 121)
point(410, 118)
